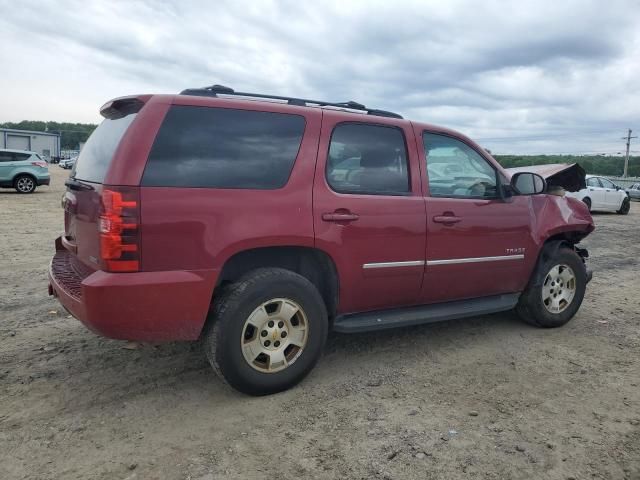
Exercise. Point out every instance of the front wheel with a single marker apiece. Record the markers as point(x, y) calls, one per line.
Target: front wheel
point(556, 291)
point(625, 207)
point(268, 331)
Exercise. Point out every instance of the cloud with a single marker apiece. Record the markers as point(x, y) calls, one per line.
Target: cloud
point(522, 77)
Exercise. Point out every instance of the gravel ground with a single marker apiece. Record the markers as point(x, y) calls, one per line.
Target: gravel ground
point(486, 397)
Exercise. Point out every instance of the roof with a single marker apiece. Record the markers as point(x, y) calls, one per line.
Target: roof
point(217, 90)
point(30, 132)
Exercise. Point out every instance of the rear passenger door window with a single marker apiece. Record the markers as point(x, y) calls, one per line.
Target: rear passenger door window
point(456, 170)
point(368, 159)
point(224, 148)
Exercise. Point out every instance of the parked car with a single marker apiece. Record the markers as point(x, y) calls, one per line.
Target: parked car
point(634, 191)
point(258, 226)
point(602, 194)
point(22, 170)
point(68, 163)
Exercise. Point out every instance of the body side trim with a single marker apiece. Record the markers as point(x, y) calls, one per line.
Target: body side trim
point(453, 261)
point(411, 263)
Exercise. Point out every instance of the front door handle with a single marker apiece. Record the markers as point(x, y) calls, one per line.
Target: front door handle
point(340, 216)
point(446, 219)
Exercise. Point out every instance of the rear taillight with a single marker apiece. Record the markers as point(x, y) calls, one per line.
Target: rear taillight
point(119, 229)
point(40, 164)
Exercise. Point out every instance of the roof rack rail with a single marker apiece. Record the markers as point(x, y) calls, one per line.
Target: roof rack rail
point(214, 90)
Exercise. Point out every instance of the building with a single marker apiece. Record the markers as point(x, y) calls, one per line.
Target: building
point(46, 144)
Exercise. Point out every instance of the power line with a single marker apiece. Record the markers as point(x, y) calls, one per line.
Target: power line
point(626, 157)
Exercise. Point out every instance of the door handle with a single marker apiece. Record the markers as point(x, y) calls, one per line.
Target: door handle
point(340, 216)
point(446, 219)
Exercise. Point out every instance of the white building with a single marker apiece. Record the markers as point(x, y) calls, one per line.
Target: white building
point(46, 144)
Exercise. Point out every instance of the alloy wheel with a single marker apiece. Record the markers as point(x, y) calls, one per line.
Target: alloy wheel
point(25, 184)
point(559, 288)
point(274, 335)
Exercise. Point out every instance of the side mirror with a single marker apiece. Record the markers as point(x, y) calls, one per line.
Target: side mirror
point(526, 183)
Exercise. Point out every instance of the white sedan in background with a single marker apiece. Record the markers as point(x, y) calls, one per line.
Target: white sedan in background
point(602, 194)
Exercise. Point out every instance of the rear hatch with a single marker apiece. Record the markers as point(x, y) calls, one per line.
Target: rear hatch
point(100, 221)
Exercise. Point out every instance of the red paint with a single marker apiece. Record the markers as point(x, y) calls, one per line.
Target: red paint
point(187, 234)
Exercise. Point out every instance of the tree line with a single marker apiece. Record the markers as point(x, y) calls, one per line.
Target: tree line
point(608, 165)
point(71, 134)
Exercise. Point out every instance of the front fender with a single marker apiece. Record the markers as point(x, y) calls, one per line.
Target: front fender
point(555, 215)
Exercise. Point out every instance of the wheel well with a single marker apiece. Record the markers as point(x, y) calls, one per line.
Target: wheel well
point(23, 174)
point(313, 264)
point(570, 238)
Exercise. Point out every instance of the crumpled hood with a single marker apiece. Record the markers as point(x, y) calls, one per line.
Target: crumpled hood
point(570, 176)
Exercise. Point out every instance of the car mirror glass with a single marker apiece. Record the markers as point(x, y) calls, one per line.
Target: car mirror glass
point(526, 183)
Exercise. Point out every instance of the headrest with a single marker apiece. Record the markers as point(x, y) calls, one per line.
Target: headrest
point(378, 158)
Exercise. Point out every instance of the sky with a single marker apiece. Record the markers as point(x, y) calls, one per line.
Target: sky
point(525, 77)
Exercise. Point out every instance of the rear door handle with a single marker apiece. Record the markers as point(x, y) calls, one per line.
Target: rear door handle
point(446, 219)
point(340, 217)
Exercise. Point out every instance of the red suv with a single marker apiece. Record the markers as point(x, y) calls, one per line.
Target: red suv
point(258, 223)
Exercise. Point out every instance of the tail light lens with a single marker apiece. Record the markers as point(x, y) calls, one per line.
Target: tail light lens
point(119, 229)
point(40, 164)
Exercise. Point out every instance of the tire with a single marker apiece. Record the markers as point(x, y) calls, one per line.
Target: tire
point(625, 207)
point(231, 340)
point(24, 184)
point(587, 202)
point(533, 308)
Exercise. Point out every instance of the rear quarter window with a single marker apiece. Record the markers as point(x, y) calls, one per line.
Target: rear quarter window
point(224, 148)
point(96, 155)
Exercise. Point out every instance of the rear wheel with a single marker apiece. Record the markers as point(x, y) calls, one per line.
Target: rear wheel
point(268, 331)
point(556, 290)
point(625, 207)
point(24, 184)
point(587, 202)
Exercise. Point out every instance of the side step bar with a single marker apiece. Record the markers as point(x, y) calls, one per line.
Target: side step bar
point(407, 316)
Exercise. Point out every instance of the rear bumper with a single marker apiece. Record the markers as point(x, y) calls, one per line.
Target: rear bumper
point(43, 180)
point(143, 306)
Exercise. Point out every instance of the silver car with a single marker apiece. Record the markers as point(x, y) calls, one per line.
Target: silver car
point(634, 191)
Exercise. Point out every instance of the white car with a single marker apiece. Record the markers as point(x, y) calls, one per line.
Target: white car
point(68, 163)
point(602, 194)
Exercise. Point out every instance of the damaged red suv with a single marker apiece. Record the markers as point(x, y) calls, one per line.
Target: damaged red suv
point(258, 223)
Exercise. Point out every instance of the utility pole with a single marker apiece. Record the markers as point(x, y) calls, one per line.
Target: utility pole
point(626, 158)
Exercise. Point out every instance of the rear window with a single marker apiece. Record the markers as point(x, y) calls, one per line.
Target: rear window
point(96, 155)
point(224, 148)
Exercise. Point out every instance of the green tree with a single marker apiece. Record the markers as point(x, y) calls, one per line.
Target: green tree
point(71, 134)
point(593, 164)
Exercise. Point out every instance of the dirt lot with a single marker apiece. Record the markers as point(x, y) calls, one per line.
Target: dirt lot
point(482, 398)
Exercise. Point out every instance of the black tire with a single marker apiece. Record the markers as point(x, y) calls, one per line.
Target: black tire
point(587, 202)
point(24, 184)
point(531, 307)
point(222, 340)
point(625, 207)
